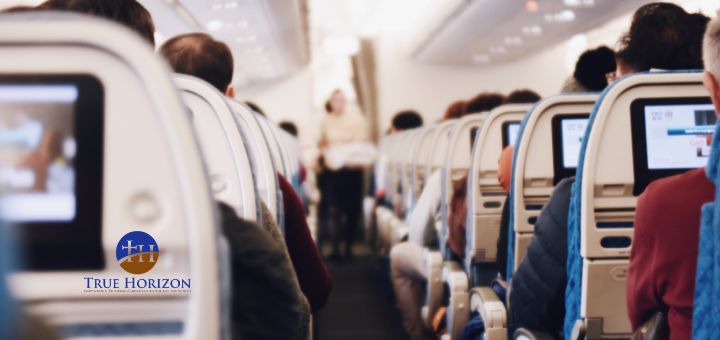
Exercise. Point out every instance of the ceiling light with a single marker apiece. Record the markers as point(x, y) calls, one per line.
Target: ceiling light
point(481, 58)
point(564, 16)
point(579, 3)
point(341, 45)
point(532, 30)
point(214, 25)
point(513, 41)
point(531, 6)
point(497, 49)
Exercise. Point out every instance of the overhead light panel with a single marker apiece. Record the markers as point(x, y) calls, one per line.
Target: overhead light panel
point(532, 6)
point(533, 30)
point(513, 41)
point(214, 25)
point(563, 16)
point(481, 58)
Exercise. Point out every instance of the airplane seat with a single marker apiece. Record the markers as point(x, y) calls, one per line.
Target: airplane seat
point(139, 167)
point(407, 166)
point(420, 160)
point(457, 165)
point(264, 164)
point(631, 128)
point(485, 195)
point(433, 258)
point(534, 174)
point(706, 317)
point(232, 179)
point(273, 144)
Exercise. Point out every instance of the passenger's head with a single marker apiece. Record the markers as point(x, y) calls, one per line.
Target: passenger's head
point(199, 55)
point(336, 103)
point(255, 108)
point(289, 127)
point(505, 168)
point(18, 9)
point(662, 36)
point(406, 120)
point(126, 12)
point(457, 216)
point(455, 110)
point(523, 96)
point(711, 57)
point(483, 102)
point(592, 66)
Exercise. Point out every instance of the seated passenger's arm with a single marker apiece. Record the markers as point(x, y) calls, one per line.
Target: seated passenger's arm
point(314, 279)
point(422, 221)
point(641, 297)
point(538, 285)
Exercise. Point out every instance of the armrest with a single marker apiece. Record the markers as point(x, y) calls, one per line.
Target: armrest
point(433, 262)
point(488, 304)
point(433, 259)
point(455, 276)
point(528, 334)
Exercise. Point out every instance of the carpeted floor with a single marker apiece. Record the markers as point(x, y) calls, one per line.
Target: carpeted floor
point(358, 307)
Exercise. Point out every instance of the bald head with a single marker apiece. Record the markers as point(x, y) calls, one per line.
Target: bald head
point(201, 56)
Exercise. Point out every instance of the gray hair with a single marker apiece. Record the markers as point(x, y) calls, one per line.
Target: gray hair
point(711, 47)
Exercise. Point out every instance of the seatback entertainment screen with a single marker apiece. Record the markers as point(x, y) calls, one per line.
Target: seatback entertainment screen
point(670, 136)
point(510, 133)
point(568, 133)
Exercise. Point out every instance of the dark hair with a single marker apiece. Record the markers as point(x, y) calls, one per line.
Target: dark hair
point(199, 55)
point(522, 96)
point(483, 102)
point(255, 108)
point(407, 120)
point(459, 192)
point(455, 110)
point(328, 107)
point(126, 12)
point(663, 36)
point(593, 65)
point(18, 9)
point(289, 127)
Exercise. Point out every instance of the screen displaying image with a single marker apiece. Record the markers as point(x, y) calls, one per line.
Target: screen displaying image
point(512, 133)
point(37, 149)
point(573, 132)
point(679, 136)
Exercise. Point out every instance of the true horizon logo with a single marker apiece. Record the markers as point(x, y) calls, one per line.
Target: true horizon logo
point(137, 252)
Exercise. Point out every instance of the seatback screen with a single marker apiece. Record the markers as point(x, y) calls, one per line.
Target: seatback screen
point(677, 135)
point(510, 132)
point(568, 133)
point(37, 150)
point(51, 169)
point(670, 136)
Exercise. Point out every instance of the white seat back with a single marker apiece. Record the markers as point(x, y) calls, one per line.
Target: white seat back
point(406, 172)
point(533, 167)
point(457, 163)
point(153, 180)
point(486, 198)
point(611, 176)
point(231, 174)
point(273, 145)
point(263, 163)
point(421, 154)
point(395, 165)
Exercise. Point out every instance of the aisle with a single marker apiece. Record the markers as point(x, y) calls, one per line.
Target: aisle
point(358, 308)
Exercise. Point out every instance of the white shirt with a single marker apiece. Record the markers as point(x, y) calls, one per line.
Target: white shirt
point(426, 214)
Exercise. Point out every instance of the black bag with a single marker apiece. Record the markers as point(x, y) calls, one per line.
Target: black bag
point(656, 328)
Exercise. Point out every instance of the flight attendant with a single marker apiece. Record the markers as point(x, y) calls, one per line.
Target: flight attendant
point(343, 127)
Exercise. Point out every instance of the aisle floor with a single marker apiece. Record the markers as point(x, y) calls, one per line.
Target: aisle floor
point(358, 307)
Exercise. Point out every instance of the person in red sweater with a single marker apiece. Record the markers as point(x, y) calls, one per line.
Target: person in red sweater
point(315, 281)
point(663, 260)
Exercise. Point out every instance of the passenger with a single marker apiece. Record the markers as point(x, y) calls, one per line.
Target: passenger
point(255, 108)
point(199, 55)
point(407, 269)
point(126, 12)
point(457, 217)
point(455, 110)
point(591, 71)
point(663, 259)
point(342, 188)
point(504, 177)
point(289, 127)
point(523, 96)
point(406, 120)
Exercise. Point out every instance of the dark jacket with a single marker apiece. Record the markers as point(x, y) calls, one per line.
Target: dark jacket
point(265, 302)
point(502, 243)
point(538, 285)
